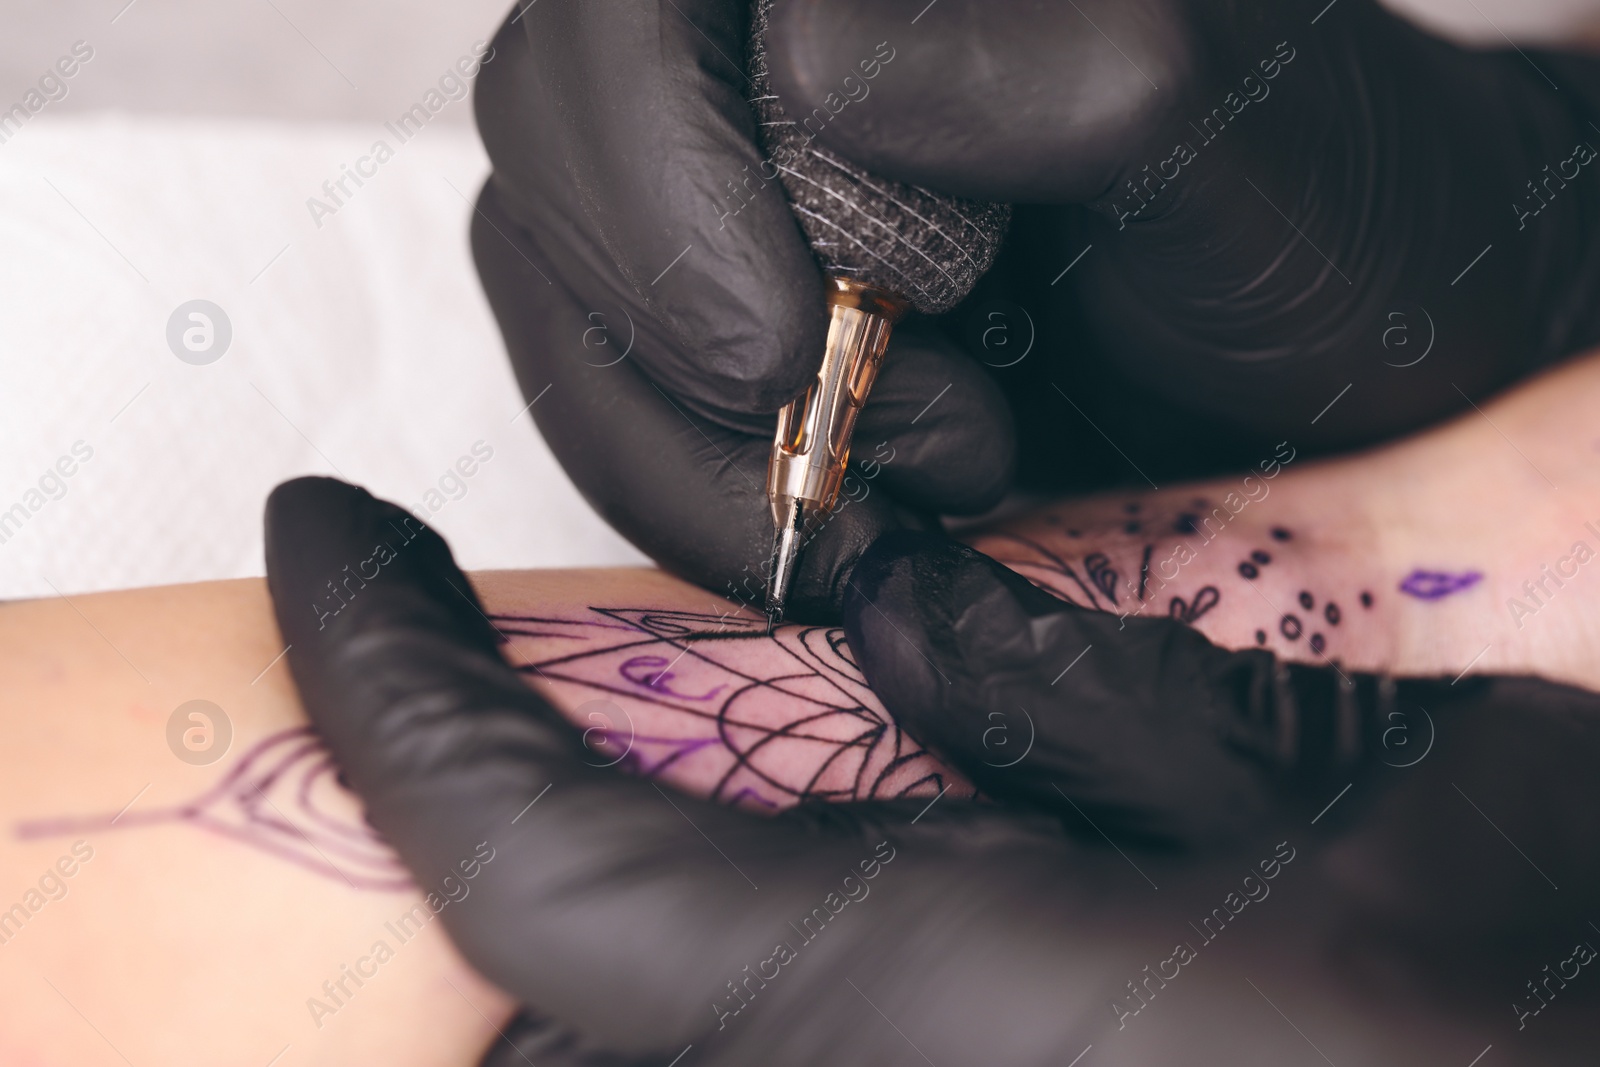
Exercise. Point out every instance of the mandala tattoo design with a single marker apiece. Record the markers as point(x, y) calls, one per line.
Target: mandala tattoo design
point(769, 721)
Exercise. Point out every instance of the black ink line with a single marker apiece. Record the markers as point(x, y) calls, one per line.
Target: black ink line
point(879, 749)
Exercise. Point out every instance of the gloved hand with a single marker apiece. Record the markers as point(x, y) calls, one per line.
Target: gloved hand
point(1273, 200)
point(637, 923)
point(1161, 736)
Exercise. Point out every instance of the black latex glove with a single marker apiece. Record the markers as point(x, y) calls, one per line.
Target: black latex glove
point(1319, 239)
point(614, 128)
point(622, 912)
point(1160, 735)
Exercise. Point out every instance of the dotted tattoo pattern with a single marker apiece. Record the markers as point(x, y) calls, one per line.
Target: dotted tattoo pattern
point(1131, 577)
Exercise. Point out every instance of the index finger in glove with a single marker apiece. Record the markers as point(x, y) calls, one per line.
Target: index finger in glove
point(623, 140)
point(691, 493)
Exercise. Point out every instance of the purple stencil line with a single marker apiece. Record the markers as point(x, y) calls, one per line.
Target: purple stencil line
point(1436, 585)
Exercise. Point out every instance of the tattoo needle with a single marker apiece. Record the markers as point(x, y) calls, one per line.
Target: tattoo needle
point(812, 445)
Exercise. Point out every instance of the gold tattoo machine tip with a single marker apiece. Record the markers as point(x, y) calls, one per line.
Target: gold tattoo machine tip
point(812, 445)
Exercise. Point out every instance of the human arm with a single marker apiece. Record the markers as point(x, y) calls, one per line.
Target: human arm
point(634, 920)
point(222, 891)
point(189, 911)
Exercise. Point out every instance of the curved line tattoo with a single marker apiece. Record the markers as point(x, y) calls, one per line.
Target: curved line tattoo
point(772, 720)
point(287, 772)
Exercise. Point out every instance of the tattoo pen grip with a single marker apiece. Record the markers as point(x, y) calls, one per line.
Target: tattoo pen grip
point(884, 247)
point(812, 446)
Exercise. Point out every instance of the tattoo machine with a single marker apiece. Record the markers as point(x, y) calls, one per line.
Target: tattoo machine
point(885, 248)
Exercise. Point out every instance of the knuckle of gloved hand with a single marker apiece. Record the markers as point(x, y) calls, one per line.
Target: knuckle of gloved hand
point(887, 94)
point(959, 462)
point(746, 351)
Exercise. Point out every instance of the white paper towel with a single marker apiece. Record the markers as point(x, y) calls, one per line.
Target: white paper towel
point(360, 347)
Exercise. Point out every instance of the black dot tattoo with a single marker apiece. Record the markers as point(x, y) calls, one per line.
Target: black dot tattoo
point(1280, 534)
point(1261, 557)
point(1366, 600)
point(1318, 644)
point(1186, 523)
point(1261, 637)
point(1290, 627)
point(1131, 528)
point(1332, 613)
point(1131, 508)
point(1248, 569)
point(1306, 600)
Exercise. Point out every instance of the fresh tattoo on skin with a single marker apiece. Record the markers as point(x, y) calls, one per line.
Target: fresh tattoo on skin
point(715, 706)
point(1136, 560)
point(707, 703)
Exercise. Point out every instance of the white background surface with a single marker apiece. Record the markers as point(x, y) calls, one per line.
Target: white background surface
point(178, 167)
point(365, 349)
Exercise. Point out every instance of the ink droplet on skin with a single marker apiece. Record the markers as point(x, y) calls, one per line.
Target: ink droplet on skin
point(1131, 528)
point(1290, 627)
point(1248, 569)
point(1261, 637)
point(1280, 534)
point(1366, 600)
point(1332, 613)
point(1318, 644)
point(1260, 557)
point(1186, 523)
point(1306, 600)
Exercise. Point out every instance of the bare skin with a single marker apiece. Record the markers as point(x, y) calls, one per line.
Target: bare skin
point(217, 899)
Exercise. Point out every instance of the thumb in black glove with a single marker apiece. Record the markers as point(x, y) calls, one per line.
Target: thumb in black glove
point(1155, 734)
